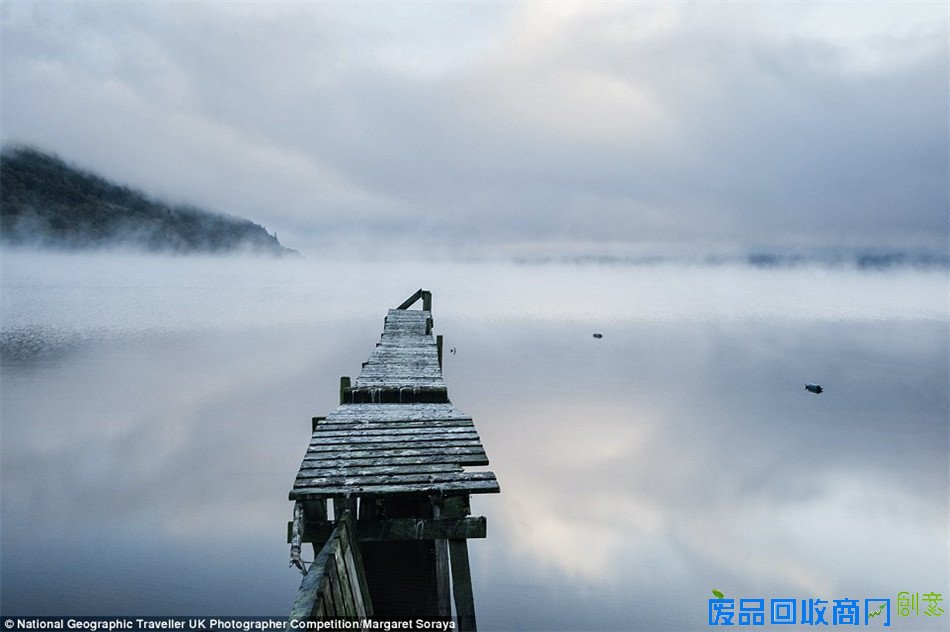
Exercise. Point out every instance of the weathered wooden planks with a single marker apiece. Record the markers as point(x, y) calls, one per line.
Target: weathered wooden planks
point(335, 585)
point(381, 413)
point(373, 426)
point(408, 440)
point(328, 468)
point(447, 488)
point(404, 366)
point(395, 432)
point(397, 448)
point(436, 456)
point(365, 480)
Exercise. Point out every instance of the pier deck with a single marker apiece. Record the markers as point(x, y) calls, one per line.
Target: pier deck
point(392, 459)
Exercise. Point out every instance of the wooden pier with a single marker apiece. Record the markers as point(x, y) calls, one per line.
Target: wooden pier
point(392, 460)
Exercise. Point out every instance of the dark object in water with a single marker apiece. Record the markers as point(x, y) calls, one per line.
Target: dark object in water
point(452, 350)
point(814, 388)
point(598, 336)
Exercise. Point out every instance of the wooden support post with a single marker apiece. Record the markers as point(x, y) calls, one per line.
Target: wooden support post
point(342, 505)
point(442, 567)
point(457, 507)
point(315, 511)
point(438, 348)
point(344, 384)
point(462, 585)
point(426, 301)
point(369, 508)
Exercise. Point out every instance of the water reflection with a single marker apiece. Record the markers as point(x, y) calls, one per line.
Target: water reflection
point(146, 465)
point(687, 454)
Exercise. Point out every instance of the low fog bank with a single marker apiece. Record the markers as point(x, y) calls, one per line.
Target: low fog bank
point(202, 234)
point(863, 259)
point(82, 294)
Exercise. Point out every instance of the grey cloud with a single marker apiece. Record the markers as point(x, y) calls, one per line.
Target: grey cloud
point(547, 122)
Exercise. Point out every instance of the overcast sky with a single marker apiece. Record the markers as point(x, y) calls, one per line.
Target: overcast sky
point(504, 127)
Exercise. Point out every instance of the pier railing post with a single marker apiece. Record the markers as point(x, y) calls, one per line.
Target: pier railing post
point(314, 421)
point(344, 385)
point(426, 297)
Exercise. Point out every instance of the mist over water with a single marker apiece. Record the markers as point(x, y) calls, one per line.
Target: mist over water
point(155, 411)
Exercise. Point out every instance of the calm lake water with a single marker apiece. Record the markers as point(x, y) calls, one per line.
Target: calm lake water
point(155, 411)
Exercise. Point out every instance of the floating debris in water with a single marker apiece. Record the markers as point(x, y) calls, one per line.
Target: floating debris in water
point(814, 388)
point(598, 336)
point(452, 350)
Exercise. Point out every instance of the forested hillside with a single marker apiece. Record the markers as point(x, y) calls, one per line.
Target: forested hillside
point(46, 202)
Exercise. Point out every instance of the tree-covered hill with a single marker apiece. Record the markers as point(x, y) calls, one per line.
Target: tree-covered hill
point(47, 203)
